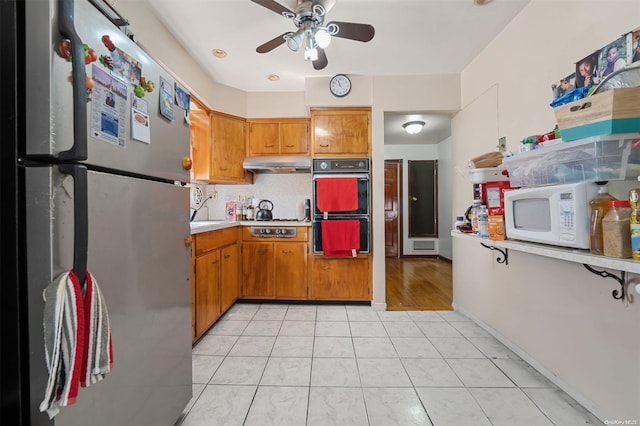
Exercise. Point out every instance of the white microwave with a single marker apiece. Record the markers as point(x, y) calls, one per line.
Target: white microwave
point(554, 214)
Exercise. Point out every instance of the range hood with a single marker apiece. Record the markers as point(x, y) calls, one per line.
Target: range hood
point(278, 164)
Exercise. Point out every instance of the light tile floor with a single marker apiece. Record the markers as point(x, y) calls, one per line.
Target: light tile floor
point(280, 364)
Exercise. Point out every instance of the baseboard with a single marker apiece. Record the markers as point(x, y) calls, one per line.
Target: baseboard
point(580, 399)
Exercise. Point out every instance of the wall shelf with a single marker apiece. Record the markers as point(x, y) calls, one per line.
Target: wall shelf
point(560, 253)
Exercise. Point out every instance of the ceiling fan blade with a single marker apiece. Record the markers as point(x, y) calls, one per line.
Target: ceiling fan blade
point(353, 31)
point(322, 61)
point(274, 6)
point(271, 44)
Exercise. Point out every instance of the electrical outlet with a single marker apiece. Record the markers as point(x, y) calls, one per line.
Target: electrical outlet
point(212, 193)
point(502, 144)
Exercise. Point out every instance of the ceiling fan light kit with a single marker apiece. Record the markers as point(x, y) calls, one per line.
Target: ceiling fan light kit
point(413, 127)
point(308, 17)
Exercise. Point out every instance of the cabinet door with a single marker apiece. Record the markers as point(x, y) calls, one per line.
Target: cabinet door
point(294, 138)
point(200, 138)
point(291, 270)
point(257, 270)
point(263, 138)
point(341, 132)
point(230, 276)
point(227, 148)
point(341, 279)
point(207, 290)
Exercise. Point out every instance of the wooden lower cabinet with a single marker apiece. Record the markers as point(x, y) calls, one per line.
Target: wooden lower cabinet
point(273, 268)
point(215, 278)
point(341, 279)
point(207, 290)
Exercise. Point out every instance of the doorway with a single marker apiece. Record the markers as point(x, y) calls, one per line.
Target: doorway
point(423, 198)
point(392, 209)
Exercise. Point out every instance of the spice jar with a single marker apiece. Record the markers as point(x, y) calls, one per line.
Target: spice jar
point(616, 231)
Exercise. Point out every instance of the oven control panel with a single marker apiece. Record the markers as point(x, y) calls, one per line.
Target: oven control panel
point(341, 165)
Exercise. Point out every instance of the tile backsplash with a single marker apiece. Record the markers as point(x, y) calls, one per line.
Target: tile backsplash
point(287, 192)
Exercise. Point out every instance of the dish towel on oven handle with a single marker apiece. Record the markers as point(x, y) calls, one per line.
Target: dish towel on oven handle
point(77, 337)
point(340, 238)
point(337, 194)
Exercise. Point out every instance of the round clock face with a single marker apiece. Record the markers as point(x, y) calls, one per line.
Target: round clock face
point(340, 85)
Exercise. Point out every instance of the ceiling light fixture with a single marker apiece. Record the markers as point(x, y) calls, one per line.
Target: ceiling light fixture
point(219, 53)
point(481, 2)
point(273, 77)
point(413, 127)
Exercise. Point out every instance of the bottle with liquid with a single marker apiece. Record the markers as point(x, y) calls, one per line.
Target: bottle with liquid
point(634, 222)
point(616, 230)
point(459, 222)
point(473, 215)
point(598, 206)
point(483, 222)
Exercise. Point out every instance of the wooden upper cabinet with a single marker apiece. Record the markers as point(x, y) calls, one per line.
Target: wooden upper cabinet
point(341, 132)
point(200, 138)
point(227, 148)
point(278, 137)
point(217, 146)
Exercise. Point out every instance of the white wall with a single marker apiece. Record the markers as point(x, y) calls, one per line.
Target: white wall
point(556, 312)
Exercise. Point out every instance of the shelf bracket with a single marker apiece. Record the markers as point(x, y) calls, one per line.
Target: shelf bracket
point(505, 253)
point(617, 294)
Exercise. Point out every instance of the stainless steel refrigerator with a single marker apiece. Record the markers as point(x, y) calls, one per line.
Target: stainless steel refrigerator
point(86, 188)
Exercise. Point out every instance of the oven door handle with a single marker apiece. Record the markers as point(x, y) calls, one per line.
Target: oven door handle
point(343, 175)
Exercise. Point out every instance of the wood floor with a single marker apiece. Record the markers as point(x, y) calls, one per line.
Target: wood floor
point(418, 284)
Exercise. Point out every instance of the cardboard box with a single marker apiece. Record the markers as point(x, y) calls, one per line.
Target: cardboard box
point(496, 228)
point(610, 112)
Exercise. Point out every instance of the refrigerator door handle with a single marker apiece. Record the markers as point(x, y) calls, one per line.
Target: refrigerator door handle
point(80, 218)
point(66, 28)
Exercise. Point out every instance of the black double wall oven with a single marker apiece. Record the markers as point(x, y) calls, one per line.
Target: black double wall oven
point(331, 173)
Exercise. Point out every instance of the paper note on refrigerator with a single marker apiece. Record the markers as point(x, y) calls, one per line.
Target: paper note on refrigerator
point(140, 128)
point(108, 108)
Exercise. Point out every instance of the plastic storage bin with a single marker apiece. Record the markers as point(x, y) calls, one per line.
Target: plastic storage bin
point(488, 174)
point(598, 158)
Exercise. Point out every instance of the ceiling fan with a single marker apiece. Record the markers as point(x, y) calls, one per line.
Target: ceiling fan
point(312, 33)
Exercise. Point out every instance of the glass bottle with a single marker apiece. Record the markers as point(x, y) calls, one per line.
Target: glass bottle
point(616, 230)
point(599, 206)
point(634, 222)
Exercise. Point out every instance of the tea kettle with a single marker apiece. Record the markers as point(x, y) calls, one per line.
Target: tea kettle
point(264, 210)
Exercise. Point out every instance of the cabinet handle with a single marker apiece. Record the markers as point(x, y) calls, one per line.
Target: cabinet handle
point(326, 267)
point(214, 262)
point(226, 256)
point(324, 146)
point(289, 146)
point(269, 146)
point(224, 168)
point(286, 251)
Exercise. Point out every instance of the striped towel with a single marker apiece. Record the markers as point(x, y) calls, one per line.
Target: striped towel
point(77, 339)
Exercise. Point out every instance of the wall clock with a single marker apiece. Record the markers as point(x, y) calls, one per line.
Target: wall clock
point(340, 85)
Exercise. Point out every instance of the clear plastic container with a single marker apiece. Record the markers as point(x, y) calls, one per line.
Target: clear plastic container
point(483, 222)
point(616, 232)
point(634, 220)
point(599, 206)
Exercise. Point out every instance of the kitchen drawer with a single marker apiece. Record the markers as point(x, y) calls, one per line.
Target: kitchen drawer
point(212, 240)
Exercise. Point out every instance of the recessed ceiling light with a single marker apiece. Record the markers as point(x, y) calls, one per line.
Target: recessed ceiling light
point(481, 2)
point(219, 53)
point(273, 77)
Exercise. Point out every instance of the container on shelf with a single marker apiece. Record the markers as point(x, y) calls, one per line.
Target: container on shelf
point(599, 158)
point(488, 174)
point(616, 231)
point(613, 111)
point(598, 209)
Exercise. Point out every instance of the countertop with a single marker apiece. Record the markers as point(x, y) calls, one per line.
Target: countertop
point(213, 225)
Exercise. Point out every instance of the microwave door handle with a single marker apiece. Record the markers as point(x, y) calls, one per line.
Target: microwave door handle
point(80, 218)
point(66, 28)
